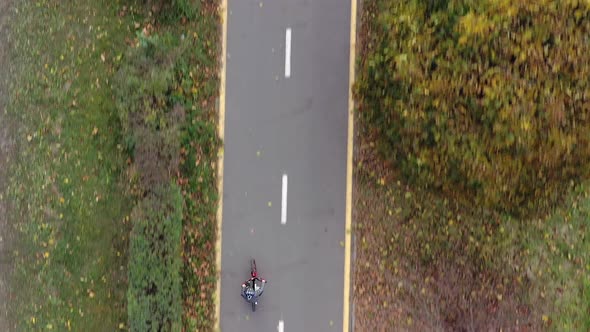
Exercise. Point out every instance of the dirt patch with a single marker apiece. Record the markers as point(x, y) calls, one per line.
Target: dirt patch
point(6, 152)
point(425, 275)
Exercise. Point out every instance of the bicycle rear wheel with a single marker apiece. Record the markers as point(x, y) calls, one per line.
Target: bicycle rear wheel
point(253, 306)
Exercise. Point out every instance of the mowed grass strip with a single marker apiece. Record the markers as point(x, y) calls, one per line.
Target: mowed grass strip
point(71, 211)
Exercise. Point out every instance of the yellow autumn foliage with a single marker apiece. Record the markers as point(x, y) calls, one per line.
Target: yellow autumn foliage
point(487, 99)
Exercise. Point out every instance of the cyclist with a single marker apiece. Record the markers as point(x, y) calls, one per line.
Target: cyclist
point(253, 288)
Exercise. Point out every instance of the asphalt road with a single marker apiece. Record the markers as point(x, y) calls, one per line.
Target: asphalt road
point(296, 126)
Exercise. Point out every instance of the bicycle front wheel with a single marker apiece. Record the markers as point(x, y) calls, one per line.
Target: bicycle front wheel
point(253, 267)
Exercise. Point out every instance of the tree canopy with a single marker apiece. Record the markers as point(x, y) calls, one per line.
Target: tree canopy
point(488, 98)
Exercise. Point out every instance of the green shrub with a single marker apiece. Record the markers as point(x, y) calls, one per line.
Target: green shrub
point(166, 90)
point(489, 99)
point(150, 118)
point(154, 294)
point(144, 81)
point(151, 121)
point(183, 8)
point(173, 10)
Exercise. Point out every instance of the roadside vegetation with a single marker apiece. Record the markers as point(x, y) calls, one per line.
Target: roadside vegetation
point(166, 90)
point(114, 186)
point(6, 155)
point(471, 201)
point(70, 211)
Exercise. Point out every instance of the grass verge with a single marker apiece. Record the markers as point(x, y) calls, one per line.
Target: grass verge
point(199, 83)
point(70, 208)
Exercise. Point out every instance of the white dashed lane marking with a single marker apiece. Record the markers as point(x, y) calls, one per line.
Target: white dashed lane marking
point(288, 53)
point(284, 200)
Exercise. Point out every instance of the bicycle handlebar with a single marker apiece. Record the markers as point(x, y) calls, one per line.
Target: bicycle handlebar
point(254, 278)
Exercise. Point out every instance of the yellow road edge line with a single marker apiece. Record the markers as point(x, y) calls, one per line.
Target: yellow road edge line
point(349, 156)
point(221, 133)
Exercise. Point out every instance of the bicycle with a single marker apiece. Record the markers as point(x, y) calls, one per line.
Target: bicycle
point(251, 290)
